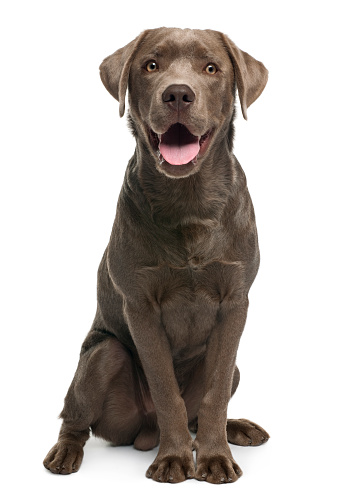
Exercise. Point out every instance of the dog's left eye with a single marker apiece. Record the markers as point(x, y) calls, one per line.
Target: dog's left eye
point(151, 66)
point(211, 69)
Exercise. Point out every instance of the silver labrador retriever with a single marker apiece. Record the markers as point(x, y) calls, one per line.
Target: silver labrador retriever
point(173, 283)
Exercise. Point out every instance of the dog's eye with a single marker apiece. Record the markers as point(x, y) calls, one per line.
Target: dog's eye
point(211, 69)
point(151, 66)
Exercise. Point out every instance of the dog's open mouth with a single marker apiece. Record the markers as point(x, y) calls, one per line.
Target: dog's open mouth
point(178, 146)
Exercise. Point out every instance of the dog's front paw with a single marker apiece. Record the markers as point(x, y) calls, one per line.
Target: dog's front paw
point(217, 469)
point(64, 458)
point(172, 468)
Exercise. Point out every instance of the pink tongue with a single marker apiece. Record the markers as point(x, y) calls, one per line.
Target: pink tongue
point(178, 146)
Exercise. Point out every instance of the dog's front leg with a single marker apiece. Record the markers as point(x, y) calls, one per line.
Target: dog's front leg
point(215, 463)
point(174, 461)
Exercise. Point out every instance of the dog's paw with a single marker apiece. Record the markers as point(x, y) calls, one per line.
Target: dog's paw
point(172, 469)
point(244, 432)
point(64, 458)
point(217, 469)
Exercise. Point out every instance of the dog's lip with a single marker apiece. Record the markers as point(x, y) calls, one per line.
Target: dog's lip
point(203, 140)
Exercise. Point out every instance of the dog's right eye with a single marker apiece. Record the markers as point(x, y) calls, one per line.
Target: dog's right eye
point(151, 66)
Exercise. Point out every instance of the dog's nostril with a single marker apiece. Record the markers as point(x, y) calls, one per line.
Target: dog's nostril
point(172, 98)
point(187, 98)
point(178, 95)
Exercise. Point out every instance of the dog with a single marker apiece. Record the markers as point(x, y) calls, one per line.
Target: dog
point(159, 361)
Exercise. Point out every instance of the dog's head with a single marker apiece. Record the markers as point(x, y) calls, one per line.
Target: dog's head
point(181, 91)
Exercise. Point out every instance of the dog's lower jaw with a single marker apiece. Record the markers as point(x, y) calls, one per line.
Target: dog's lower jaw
point(178, 171)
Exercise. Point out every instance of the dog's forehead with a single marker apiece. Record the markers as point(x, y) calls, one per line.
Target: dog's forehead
point(176, 42)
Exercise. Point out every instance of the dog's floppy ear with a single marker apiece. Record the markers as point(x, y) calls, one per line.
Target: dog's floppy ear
point(250, 74)
point(115, 70)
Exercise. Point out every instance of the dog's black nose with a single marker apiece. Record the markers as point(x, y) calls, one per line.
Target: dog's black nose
point(178, 96)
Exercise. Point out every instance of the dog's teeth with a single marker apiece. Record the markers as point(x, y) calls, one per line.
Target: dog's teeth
point(161, 159)
point(159, 137)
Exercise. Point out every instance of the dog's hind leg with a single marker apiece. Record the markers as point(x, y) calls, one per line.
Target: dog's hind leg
point(101, 397)
point(242, 431)
point(239, 431)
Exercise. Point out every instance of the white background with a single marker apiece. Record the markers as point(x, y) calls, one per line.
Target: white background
point(64, 151)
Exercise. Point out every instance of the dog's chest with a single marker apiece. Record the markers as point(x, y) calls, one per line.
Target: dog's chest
point(188, 298)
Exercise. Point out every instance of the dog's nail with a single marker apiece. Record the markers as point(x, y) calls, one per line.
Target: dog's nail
point(170, 478)
point(222, 479)
point(229, 479)
point(204, 475)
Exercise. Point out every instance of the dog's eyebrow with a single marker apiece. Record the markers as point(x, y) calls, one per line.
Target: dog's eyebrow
point(154, 53)
point(199, 51)
point(151, 55)
point(202, 51)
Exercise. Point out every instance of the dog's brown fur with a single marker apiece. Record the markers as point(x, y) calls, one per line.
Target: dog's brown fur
point(174, 280)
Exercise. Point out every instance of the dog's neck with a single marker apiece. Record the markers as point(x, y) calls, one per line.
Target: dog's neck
point(196, 199)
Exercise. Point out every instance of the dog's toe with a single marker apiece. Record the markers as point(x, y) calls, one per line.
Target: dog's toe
point(64, 458)
point(217, 469)
point(171, 469)
point(244, 432)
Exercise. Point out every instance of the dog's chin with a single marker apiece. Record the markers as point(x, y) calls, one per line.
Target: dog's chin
point(178, 152)
point(177, 171)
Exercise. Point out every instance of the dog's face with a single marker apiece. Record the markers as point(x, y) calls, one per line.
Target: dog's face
point(183, 76)
point(181, 91)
